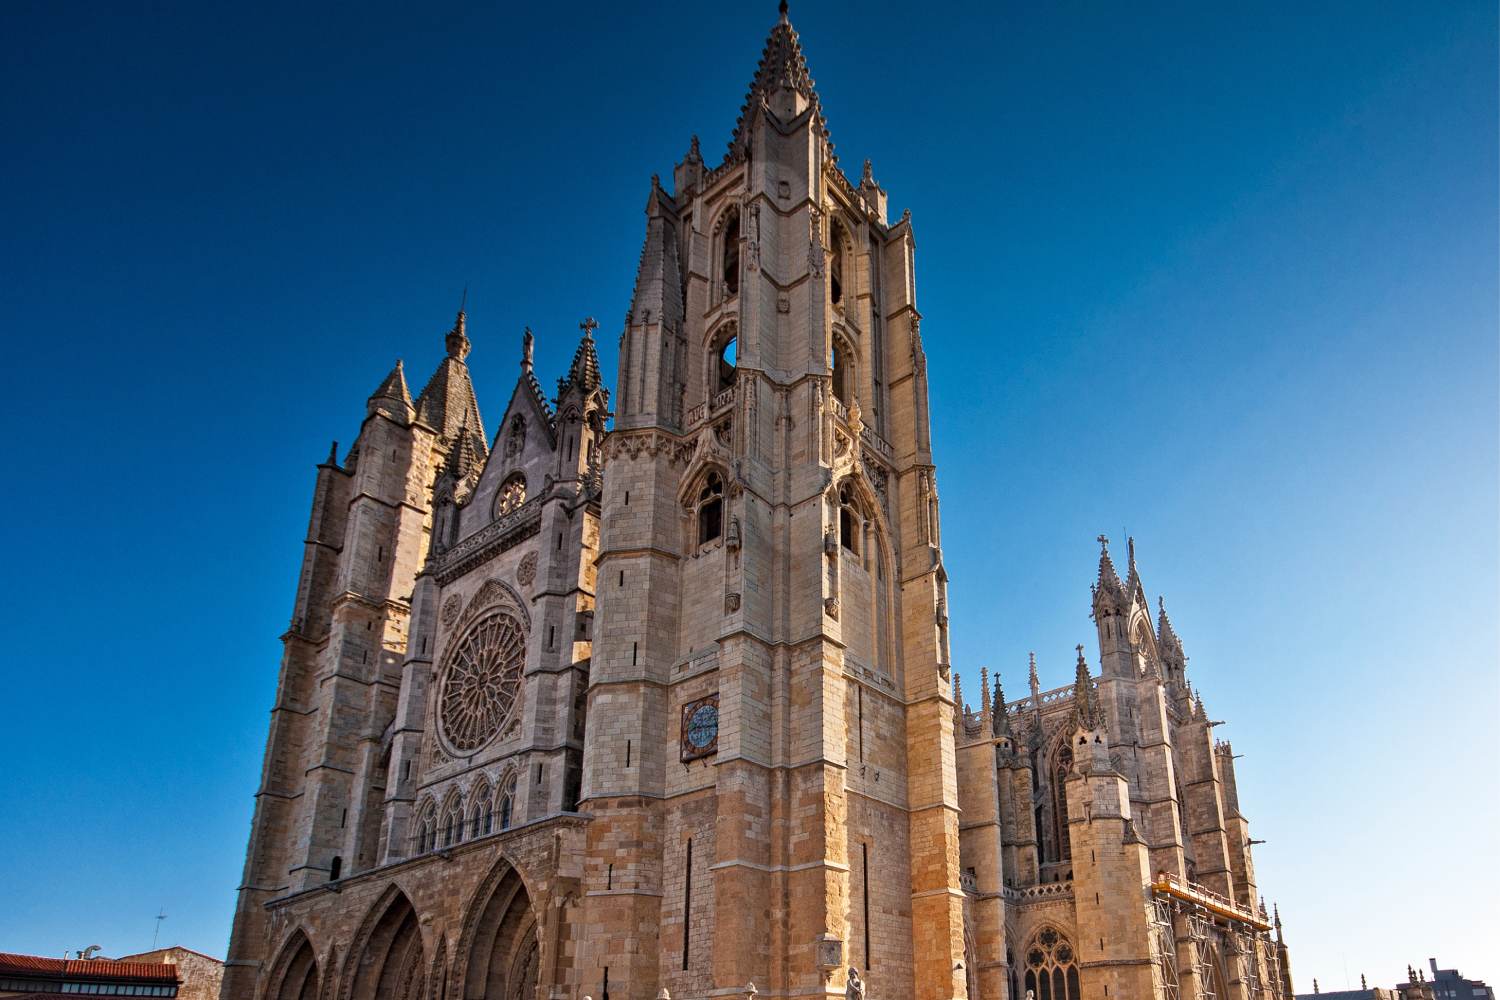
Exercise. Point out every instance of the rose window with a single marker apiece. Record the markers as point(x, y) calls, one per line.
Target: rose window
point(481, 682)
point(512, 495)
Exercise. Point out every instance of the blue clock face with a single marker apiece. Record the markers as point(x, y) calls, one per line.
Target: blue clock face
point(703, 727)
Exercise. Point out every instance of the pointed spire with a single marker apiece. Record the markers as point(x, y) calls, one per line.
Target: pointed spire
point(1166, 635)
point(393, 386)
point(1086, 714)
point(1036, 686)
point(447, 401)
point(584, 372)
point(984, 690)
point(333, 454)
point(1199, 715)
point(457, 340)
point(958, 693)
point(391, 396)
point(782, 68)
point(695, 153)
point(999, 717)
point(1108, 591)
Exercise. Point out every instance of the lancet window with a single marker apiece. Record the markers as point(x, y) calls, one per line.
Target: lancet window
point(731, 257)
point(843, 375)
point(1062, 766)
point(836, 265)
point(851, 524)
point(507, 803)
point(710, 509)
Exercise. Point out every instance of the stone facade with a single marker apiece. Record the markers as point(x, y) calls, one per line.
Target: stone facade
point(202, 975)
point(668, 710)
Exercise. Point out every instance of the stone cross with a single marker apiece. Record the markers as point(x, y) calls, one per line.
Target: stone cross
point(1103, 541)
point(588, 326)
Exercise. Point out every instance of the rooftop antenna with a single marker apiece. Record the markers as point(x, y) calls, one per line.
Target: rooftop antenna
point(161, 914)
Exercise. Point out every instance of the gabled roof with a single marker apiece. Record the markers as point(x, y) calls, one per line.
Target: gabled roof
point(782, 65)
point(95, 968)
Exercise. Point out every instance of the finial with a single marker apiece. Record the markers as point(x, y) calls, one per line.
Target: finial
point(1079, 647)
point(750, 990)
point(1130, 545)
point(333, 454)
point(1362, 984)
point(1035, 684)
point(457, 340)
point(782, 8)
point(1316, 991)
point(463, 303)
point(1103, 541)
point(588, 326)
point(528, 345)
point(693, 151)
point(984, 690)
point(868, 180)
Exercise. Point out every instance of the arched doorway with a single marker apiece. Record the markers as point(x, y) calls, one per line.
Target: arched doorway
point(296, 973)
point(503, 957)
point(391, 963)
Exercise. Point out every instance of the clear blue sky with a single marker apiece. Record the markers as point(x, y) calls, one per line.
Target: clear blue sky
point(1223, 276)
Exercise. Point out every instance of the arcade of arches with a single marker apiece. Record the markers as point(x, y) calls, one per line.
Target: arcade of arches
point(498, 956)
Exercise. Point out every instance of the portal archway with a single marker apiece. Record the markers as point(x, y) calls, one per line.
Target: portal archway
point(502, 960)
point(391, 964)
point(295, 975)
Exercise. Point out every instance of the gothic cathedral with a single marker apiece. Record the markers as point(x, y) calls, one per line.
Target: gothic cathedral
point(664, 707)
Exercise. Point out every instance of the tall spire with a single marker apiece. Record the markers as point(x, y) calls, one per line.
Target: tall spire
point(447, 402)
point(782, 85)
point(1036, 686)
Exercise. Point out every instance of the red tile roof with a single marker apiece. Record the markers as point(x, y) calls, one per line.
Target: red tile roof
point(95, 968)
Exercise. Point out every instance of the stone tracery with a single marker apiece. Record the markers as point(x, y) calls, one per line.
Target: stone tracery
point(481, 682)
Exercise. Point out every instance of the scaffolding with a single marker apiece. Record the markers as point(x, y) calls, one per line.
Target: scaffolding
point(1166, 946)
point(1273, 967)
point(1201, 930)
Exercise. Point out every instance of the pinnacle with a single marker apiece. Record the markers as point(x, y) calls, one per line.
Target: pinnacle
point(393, 386)
point(1164, 631)
point(1086, 712)
point(584, 372)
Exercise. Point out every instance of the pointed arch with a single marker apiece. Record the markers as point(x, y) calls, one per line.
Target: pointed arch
point(424, 830)
point(480, 799)
point(386, 960)
point(295, 975)
point(499, 948)
point(1051, 965)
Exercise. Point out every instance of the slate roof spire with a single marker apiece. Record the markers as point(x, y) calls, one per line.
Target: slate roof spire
point(447, 403)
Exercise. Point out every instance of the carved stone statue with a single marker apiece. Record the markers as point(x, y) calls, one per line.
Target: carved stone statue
point(855, 990)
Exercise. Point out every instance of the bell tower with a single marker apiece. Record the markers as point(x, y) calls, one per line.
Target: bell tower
point(769, 764)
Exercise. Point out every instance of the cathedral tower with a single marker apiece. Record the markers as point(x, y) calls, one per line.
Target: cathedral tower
point(769, 761)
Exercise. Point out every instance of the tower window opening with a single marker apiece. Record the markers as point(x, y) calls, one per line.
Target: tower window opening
point(836, 266)
point(839, 362)
point(336, 869)
point(711, 509)
point(849, 520)
point(728, 358)
point(732, 255)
